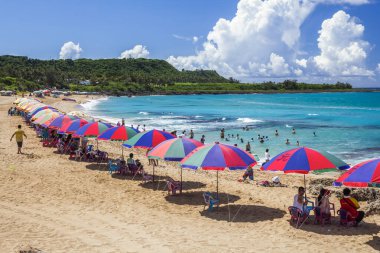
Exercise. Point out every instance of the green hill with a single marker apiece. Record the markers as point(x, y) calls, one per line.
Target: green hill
point(23, 73)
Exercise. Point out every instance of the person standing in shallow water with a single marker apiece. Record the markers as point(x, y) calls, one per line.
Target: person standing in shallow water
point(203, 139)
point(19, 138)
point(191, 134)
point(222, 133)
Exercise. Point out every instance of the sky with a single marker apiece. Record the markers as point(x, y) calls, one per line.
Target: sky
point(251, 40)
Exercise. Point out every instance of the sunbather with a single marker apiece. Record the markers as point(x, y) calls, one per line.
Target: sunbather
point(248, 174)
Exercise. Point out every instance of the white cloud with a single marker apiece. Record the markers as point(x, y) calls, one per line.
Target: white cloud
point(70, 50)
point(343, 52)
point(378, 67)
point(302, 63)
point(195, 39)
point(261, 40)
point(138, 51)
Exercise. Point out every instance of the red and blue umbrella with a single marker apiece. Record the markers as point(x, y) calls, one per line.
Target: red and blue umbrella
point(72, 126)
point(118, 133)
point(364, 174)
point(60, 121)
point(174, 149)
point(303, 160)
point(93, 129)
point(148, 139)
point(218, 157)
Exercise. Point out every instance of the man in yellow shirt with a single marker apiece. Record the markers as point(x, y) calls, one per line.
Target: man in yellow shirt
point(19, 138)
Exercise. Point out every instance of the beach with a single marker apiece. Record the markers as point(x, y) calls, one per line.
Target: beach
point(59, 205)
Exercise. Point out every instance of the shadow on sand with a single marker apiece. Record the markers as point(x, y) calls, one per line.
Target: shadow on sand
point(195, 198)
point(243, 213)
point(374, 243)
point(336, 229)
point(161, 185)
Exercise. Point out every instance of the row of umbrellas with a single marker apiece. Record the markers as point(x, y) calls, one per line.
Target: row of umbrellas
point(193, 154)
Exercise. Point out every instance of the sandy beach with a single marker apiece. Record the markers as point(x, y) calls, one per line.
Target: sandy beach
point(59, 205)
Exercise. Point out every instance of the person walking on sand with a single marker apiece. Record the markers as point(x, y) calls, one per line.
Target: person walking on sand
point(19, 138)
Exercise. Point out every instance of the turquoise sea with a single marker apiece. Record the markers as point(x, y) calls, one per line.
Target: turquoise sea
point(346, 124)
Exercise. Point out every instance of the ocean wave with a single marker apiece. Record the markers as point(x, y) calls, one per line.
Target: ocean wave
point(312, 114)
point(288, 126)
point(91, 104)
point(144, 113)
point(249, 120)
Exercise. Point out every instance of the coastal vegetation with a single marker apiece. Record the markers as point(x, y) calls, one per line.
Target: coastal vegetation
point(132, 76)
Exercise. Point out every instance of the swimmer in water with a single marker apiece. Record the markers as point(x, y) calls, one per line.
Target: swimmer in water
point(287, 142)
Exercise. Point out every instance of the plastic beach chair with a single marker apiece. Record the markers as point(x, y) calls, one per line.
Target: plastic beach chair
point(112, 167)
point(172, 186)
point(210, 201)
point(297, 217)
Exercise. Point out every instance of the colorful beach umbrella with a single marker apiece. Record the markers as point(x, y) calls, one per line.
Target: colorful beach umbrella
point(45, 118)
point(118, 133)
point(148, 139)
point(41, 108)
point(218, 157)
point(364, 174)
point(42, 113)
point(93, 129)
point(73, 126)
point(57, 123)
point(174, 150)
point(303, 160)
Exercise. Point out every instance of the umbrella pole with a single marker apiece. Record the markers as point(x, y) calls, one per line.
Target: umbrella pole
point(122, 152)
point(304, 183)
point(153, 172)
point(217, 184)
point(180, 190)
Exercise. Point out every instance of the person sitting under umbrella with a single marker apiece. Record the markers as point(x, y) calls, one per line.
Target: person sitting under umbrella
point(351, 206)
point(323, 205)
point(300, 201)
point(134, 165)
point(247, 174)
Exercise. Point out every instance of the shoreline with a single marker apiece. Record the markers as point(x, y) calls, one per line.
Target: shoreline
point(205, 92)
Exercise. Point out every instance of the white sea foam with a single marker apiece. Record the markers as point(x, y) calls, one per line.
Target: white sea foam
point(90, 105)
point(107, 119)
point(144, 113)
point(223, 118)
point(198, 116)
point(312, 114)
point(249, 120)
point(288, 126)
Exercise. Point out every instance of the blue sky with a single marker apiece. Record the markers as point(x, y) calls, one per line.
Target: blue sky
point(166, 28)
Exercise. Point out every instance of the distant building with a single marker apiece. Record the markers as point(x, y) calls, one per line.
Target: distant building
point(85, 82)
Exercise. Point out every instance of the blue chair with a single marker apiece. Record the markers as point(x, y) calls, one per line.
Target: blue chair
point(112, 167)
point(210, 201)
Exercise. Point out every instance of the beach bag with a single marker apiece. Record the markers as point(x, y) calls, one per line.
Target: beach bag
point(264, 183)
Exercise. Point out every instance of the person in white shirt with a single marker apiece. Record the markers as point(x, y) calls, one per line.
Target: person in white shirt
point(267, 155)
point(300, 201)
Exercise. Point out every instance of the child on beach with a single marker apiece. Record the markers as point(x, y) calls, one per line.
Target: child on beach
point(351, 206)
point(19, 138)
point(248, 174)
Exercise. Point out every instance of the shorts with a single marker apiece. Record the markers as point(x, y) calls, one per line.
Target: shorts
point(19, 144)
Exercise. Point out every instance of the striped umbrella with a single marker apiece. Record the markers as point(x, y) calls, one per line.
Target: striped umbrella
point(174, 150)
point(42, 113)
point(218, 157)
point(45, 118)
point(57, 123)
point(303, 160)
point(118, 133)
point(72, 126)
point(148, 139)
point(41, 108)
point(364, 174)
point(93, 129)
